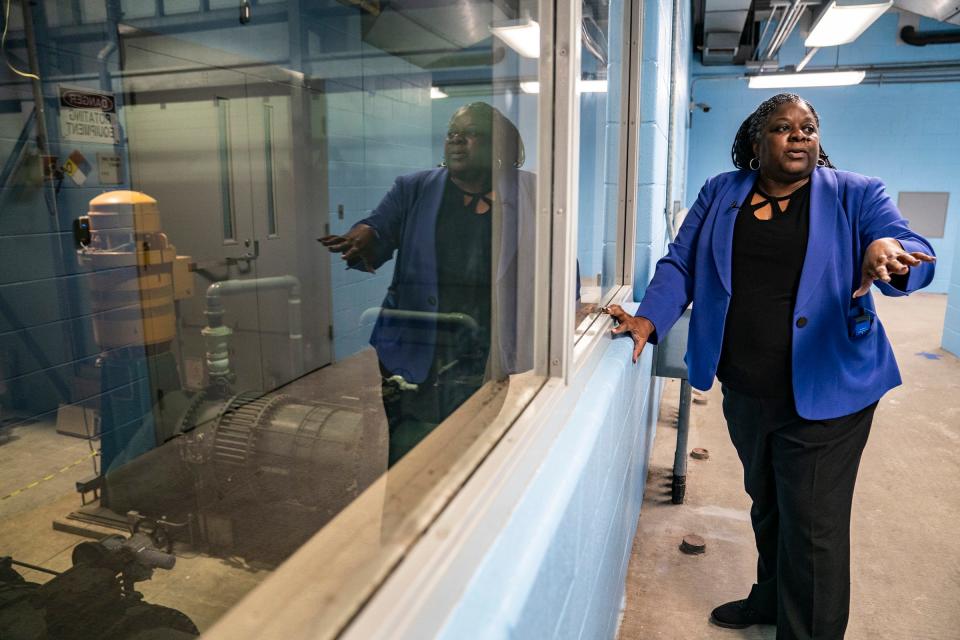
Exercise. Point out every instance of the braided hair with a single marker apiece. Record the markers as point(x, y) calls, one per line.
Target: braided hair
point(752, 129)
point(506, 139)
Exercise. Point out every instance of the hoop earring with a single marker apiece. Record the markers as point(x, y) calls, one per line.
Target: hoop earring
point(757, 160)
point(443, 162)
point(821, 162)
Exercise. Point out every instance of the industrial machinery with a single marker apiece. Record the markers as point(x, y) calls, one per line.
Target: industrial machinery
point(95, 598)
point(134, 268)
point(251, 473)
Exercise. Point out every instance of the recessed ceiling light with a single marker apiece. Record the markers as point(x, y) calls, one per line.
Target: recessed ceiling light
point(436, 93)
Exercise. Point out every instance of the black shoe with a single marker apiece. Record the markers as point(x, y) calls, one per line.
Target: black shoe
point(739, 615)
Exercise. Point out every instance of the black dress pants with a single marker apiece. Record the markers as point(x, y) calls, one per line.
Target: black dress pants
point(800, 474)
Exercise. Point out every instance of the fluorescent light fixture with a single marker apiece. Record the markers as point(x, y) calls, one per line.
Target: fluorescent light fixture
point(436, 93)
point(523, 36)
point(530, 87)
point(842, 21)
point(812, 79)
point(585, 86)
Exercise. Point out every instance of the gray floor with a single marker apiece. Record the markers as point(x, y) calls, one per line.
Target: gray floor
point(905, 555)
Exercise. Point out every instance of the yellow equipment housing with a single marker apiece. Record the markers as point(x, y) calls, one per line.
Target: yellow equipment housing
point(133, 266)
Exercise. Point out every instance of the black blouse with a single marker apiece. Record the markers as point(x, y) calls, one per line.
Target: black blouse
point(463, 245)
point(767, 260)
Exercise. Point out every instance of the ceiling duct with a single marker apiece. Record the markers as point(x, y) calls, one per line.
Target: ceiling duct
point(939, 10)
point(433, 33)
point(723, 22)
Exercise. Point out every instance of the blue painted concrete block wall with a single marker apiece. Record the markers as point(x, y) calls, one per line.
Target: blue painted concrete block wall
point(47, 349)
point(558, 568)
point(904, 133)
point(652, 197)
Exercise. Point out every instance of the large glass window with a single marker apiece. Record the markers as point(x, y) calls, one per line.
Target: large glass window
point(602, 135)
point(260, 262)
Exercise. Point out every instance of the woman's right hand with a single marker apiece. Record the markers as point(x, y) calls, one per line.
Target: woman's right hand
point(356, 246)
point(639, 327)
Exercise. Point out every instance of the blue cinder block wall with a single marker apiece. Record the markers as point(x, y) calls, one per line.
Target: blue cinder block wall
point(904, 134)
point(557, 570)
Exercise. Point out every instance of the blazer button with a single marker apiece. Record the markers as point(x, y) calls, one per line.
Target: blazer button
point(432, 301)
point(801, 322)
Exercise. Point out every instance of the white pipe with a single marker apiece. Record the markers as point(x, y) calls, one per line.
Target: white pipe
point(807, 58)
point(214, 313)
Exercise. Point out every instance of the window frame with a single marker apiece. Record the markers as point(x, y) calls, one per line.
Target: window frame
point(630, 77)
point(410, 591)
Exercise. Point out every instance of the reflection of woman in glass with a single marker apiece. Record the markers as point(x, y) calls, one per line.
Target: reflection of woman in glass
point(459, 309)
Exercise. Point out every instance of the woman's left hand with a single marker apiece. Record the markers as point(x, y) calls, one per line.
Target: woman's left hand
point(885, 257)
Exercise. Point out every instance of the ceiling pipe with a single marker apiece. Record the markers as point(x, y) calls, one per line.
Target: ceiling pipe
point(911, 36)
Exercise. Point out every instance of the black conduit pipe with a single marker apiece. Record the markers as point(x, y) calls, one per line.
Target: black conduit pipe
point(910, 35)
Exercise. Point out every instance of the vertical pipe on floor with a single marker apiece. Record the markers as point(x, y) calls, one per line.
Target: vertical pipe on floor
point(679, 487)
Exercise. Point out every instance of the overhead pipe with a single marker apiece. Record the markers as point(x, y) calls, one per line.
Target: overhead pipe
point(911, 36)
point(766, 28)
point(794, 14)
point(217, 335)
point(807, 58)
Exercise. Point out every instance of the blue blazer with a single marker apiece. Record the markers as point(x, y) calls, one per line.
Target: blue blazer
point(405, 222)
point(834, 374)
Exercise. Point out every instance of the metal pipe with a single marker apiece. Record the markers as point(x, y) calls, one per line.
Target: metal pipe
point(105, 81)
point(671, 122)
point(43, 139)
point(790, 21)
point(807, 58)
point(679, 485)
point(34, 567)
point(911, 36)
point(371, 314)
point(218, 359)
point(781, 25)
point(766, 28)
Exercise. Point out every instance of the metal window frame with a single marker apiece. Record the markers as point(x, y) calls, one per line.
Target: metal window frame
point(630, 78)
point(417, 599)
point(418, 582)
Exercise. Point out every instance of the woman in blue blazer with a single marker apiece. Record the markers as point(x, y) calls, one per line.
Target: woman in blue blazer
point(459, 309)
point(778, 259)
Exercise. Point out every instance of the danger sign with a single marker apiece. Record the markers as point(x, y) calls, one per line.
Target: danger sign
point(88, 115)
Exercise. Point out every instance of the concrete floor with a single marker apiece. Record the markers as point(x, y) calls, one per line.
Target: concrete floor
point(905, 552)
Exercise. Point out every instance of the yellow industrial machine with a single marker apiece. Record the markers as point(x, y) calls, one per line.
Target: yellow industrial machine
point(137, 273)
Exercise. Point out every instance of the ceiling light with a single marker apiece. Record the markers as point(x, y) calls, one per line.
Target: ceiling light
point(592, 86)
point(585, 86)
point(812, 79)
point(842, 21)
point(530, 87)
point(523, 36)
point(436, 93)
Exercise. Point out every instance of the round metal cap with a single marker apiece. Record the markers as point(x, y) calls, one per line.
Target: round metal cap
point(693, 544)
point(699, 454)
